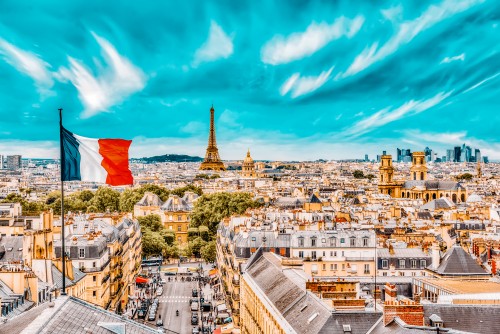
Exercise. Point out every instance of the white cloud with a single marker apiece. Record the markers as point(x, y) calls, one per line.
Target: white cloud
point(388, 115)
point(30, 149)
point(218, 45)
point(112, 85)
point(282, 50)
point(406, 32)
point(482, 82)
point(454, 58)
point(298, 85)
point(392, 13)
point(28, 63)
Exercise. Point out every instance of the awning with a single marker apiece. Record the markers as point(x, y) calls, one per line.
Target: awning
point(212, 272)
point(141, 280)
point(221, 307)
point(223, 315)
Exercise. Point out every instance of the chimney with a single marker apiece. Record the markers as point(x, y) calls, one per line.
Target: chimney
point(488, 250)
point(436, 257)
point(391, 292)
point(412, 313)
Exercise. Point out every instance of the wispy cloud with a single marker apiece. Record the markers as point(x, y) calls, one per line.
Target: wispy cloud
point(28, 63)
point(406, 32)
point(392, 13)
point(482, 82)
point(454, 58)
point(282, 50)
point(298, 85)
point(388, 115)
point(30, 149)
point(112, 85)
point(218, 45)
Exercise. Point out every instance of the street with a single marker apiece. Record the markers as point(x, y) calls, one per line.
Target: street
point(177, 293)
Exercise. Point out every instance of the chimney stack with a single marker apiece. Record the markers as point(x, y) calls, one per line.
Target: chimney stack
point(436, 257)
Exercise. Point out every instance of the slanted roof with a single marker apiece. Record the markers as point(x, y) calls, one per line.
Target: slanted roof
point(456, 262)
point(439, 203)
point(70, 315)
point(359, 322)
point(57, 277)
point(468, 318)
point(314, 199)
point(150, 199)
point(301, 310)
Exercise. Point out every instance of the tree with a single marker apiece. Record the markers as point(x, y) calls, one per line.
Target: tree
point(209, 252)
point(128, 198)
point(358, 174)
point(162, 192)
point(210, 209)
point(152, 243)
point(196, 245)
point(465, 176)
point(370, 177)
point(190, 187)
point(151, 222)
point(106, 199)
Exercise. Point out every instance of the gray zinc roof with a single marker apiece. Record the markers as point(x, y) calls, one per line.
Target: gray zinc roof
point(457, 262)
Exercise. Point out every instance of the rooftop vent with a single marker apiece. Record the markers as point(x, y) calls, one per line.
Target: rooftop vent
point(312, 317)
point(347, 328)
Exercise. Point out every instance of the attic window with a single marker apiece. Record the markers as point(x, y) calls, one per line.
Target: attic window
point(347, 328)
point(20, 249)
point(9, 249)
point(312, 317)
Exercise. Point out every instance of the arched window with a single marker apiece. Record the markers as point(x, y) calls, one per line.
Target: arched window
point(403, 194)
point(454, 198)
point(421, 175)
point(433, 196)
point(462, 197)
point(426, 197)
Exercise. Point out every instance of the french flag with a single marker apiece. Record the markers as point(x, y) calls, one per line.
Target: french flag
point(95, 160)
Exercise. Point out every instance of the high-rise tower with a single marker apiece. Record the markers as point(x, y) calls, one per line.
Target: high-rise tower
point(212, 160)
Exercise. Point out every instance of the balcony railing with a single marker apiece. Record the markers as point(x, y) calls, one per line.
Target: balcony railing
point(105, 279)
point(95, 269)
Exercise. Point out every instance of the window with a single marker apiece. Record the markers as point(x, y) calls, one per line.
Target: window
point(343, 266)
point(335, 254)
point(179, 228)
point(170, 227)
point(301, 242)
point(423, 264)
point(353, 242)
point(402, 264)
point(314, 268)
point(301, 254)
point(313, 242)
point(324, 253)
point(94, 278)
point(93, 264)
point(367, 268)
point(324, 266)
point(335, 266)
point(313, 255)
point(331, 253)
point(414, 264)
point(385, 264)
point(94, 294)
point(81, 265)
point(384, 274)
point(323, 240)
point(171, 218)
point(331, 266)
point(342, 240)
point(333, 242)
point(81, 253)
point(179, 217)
point(365, 242)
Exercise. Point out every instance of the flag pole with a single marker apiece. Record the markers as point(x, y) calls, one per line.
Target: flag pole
point(63, 248)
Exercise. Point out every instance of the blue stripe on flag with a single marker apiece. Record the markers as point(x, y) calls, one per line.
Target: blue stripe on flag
point(70, 157)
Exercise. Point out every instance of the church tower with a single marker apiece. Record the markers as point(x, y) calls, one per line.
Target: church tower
point(418, 170)
point(212, 160)
point(248, 167)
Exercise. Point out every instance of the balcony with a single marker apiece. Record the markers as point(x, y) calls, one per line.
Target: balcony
point(235, 296)
point(359, 258)
point(105, 279)
point(96, 269)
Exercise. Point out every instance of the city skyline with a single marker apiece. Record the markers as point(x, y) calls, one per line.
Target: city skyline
point(330, 81)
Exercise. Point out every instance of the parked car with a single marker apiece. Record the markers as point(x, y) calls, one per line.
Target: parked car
point(195, 330)
point(159, 292)
point(195, 306)
point(193, 300)
point(194, 319)
point(195, 293)
point(152, 316)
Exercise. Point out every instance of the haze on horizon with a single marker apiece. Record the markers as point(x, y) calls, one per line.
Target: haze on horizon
point(304, 81)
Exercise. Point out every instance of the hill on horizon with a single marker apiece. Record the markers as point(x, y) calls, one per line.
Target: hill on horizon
point(169, 158)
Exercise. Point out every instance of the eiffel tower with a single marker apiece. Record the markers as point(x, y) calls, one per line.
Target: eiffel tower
point(212, 160)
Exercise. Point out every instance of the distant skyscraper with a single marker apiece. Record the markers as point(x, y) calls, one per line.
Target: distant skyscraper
point(449, 155)
point(468, 153)
point(477, 154)
point(1, 161)
point(403, 155)
point(457, 154)
point(485, 159)
point(366, 158)
point(14, 162)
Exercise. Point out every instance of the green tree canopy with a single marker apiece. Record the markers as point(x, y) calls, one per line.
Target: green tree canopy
point(210, 209)
point(151, 222)
point(106, 198)
point(209, 251)
point(358, 174)
point(152, 243)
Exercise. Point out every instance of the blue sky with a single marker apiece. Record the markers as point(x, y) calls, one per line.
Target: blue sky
point(291, 80)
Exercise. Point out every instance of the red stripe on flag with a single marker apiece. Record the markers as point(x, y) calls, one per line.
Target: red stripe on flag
point(115, 161)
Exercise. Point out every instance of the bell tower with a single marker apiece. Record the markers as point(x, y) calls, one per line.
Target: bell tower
point(418, 169)
point(386, 183)
point(212, 160)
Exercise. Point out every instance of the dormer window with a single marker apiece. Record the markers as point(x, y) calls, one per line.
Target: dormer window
point(353, 242)
point(301, 241)
point(365, 242)
point(333, 241)
point(313, 242)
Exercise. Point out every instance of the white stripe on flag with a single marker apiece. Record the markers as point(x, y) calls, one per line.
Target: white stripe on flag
point(90, 163)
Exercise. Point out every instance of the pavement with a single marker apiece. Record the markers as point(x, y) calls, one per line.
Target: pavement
point(176, 296)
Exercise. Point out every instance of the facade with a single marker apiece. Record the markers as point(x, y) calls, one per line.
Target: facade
point(248, 166)
point(212, 160)
point(402, 261)
point(174, 212)
point(13, 162)
point(418, 187)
